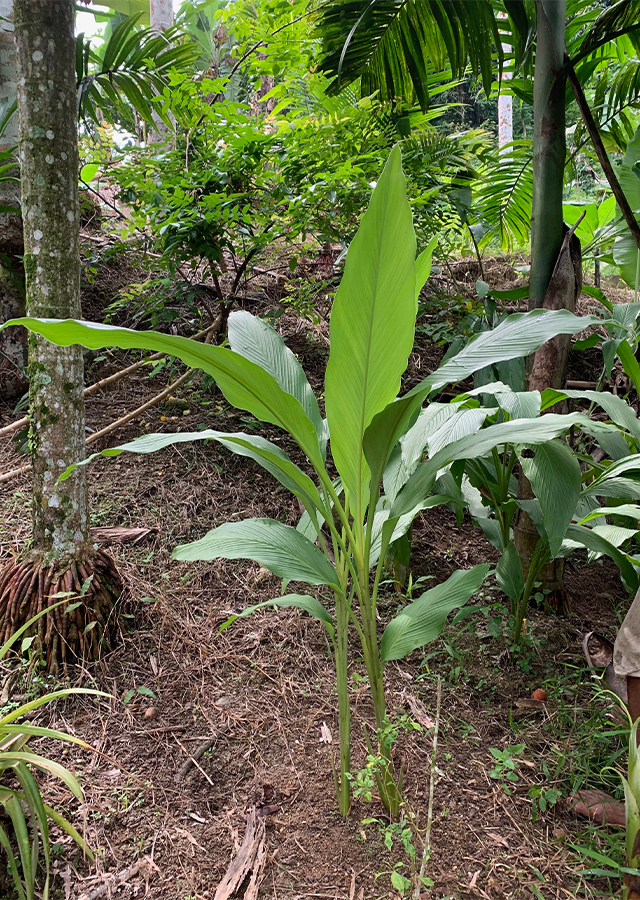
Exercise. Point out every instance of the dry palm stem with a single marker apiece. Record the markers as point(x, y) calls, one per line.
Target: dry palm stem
point(111, 379)
point(427, 837)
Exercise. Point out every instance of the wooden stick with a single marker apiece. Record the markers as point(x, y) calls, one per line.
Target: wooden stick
point(120, 878)
point(426, 853)
point(111, 379)
point(16, 473)
point(603, 159)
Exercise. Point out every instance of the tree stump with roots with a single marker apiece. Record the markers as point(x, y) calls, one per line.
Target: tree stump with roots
point(80, 627)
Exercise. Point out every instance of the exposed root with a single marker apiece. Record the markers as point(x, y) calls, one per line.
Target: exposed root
point(80, 627)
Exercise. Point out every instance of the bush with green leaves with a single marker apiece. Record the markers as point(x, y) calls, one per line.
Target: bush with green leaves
point(339, 546)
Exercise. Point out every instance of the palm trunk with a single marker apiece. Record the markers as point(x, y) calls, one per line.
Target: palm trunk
point(49, 180)
point(549, 146)
point(63, 559)
point(556, 269)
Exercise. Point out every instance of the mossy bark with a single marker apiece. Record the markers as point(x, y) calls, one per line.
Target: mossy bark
point(13, 341)
point(48, 154)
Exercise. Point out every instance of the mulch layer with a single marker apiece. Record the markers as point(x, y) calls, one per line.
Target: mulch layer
point(260, 696)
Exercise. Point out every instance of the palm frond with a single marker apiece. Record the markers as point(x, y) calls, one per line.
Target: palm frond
point(622, 18)
point(503, 201)
point(131, 70)
point(398, 46)
point(615, 99)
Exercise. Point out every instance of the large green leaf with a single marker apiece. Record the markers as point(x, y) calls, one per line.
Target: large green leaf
point(509, 573)
point(266, 454)
point(257, 341)
point(625, 250)
point(616, 408)
point(280, 548)
point(517, 431)
point(630, 510)
point(424, 619)
point(243, 383)
point(301, 601)
point(372, 325)
point(517, 336)
point(554, 473)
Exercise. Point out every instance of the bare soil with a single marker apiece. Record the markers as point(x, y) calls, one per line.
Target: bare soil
point(264, 690)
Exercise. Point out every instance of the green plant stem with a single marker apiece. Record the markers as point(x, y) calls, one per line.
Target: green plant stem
point(344, 711)
point(538, 560)
point(426, 851)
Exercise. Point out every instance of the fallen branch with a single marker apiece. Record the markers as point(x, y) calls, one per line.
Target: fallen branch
point(112, 379)
point(108, 429)
point(192, 759)
point(251, 857)
point(121, 878)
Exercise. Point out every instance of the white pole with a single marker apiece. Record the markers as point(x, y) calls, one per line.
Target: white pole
point(505, 106)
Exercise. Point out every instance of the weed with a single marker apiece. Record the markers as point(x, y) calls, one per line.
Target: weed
point(506, 765)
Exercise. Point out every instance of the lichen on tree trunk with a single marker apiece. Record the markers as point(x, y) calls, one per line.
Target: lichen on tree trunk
point(13, 341)
point(48, 154)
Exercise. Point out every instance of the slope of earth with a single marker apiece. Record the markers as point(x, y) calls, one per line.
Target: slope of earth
point(205, 725)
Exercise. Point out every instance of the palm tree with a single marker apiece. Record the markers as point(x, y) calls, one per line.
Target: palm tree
point(62, 557)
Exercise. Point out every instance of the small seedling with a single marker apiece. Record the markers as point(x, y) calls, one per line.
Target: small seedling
point(506, 766)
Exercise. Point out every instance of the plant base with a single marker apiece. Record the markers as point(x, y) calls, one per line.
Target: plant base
point(76, 629)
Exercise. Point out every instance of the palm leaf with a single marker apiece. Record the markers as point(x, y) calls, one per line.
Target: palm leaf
point(396, 45)
point(503, 200)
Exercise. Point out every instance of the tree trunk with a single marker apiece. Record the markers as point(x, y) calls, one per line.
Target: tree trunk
point(63, 559)
point(49, 179)
point(13, 341)
point(161, 14)
point(549, 147)
point(161, 18)
point(556, 265)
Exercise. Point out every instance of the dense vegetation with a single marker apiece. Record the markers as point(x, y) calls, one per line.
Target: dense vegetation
point(263, 140)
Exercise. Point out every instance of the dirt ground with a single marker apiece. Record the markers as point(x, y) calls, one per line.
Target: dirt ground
point(261, 695)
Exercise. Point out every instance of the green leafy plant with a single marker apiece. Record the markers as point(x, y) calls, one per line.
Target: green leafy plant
point(348, 525)
point(506, 765)
point(23, 805)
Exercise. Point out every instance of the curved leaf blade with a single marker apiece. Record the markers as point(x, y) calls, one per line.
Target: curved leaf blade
point(257, 341)
point(277, 547)
point(372, 325)
point(244, 384)
point(424, 619)
point(555, 476)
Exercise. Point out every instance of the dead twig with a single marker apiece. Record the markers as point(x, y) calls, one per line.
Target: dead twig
point(251, 857)
point(120, 878)
point(193, 758)
point(427, 837)
point(111, 379)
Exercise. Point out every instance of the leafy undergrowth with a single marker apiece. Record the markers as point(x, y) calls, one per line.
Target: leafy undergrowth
point(264, 690)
